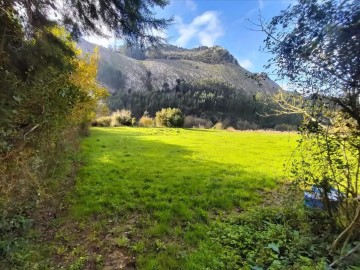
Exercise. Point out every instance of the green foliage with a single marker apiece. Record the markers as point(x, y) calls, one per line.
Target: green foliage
point(268, 241)
point(169, 117)
point(122, 241)
point(208, 99)
point(306, 52)
point(47, 97)
point(329, 157)
point(13, 245)
point(320, 58)
point(104, 121)
point(85, 17)
point(122, 118)
point(265, 238)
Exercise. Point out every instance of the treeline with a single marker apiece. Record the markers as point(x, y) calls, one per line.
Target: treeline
point(209, 100)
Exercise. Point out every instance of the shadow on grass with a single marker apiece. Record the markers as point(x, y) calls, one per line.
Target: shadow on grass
point(126, 173)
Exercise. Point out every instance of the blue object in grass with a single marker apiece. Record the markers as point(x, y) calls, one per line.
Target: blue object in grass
point(313, 198)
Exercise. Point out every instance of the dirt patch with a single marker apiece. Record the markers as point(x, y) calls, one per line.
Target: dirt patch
point(117, 260)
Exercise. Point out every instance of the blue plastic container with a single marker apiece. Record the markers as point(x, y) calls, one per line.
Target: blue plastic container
point(313, 198)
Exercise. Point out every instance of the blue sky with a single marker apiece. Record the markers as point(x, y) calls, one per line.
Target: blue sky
point(221, 22)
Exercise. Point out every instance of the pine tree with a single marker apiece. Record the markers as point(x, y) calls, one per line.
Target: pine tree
point(132, 20)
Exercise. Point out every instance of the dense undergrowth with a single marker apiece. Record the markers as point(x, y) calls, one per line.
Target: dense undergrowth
point(25, 235)
point(48, 95)
point(262, 238)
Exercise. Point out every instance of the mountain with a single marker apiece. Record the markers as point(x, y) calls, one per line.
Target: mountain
point(162, 67)
point(205, 82)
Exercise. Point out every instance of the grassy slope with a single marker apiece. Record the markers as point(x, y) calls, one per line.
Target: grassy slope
point(153, 192)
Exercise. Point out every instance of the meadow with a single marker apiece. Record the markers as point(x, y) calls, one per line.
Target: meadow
point(148, 196)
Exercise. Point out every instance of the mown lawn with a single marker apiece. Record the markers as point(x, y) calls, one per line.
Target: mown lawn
point(152, 192)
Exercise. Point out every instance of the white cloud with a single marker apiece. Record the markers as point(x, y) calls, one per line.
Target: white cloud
point(105, 41)
point(159, 33)
point(102, 41)
point(206, 28)
point(246, 63)
point(110, 39)
point(285, 86)
point(190, 4)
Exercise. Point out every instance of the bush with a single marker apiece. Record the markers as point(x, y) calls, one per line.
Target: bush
point(231, 129)
point(169, 117)
point(285, 127)
point(146, 121)
point(246, 125)
point(226, 122)
point(117, 118)
point(122, 118)
point(194, 122)
point(218, 126)
point(104, 121)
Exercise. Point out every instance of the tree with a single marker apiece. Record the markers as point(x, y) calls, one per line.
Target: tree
point(128, 19)
point(316, 47)
point(134, 51)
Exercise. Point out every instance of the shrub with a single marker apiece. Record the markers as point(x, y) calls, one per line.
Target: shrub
point(231, 129)
point(218, 126)
point(122, 118)
point(226, 122)
point(285, 127)
point(104, 121)
point(146, 121)
point(246, 125)
point(169, 117)
point(194, 122)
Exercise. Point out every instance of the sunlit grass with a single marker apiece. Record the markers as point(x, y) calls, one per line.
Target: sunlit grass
point(172, 182)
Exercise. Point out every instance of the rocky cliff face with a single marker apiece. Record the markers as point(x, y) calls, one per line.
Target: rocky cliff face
point(163, 67)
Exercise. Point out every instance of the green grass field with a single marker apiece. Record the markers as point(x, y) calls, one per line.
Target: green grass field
point(152, 193)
